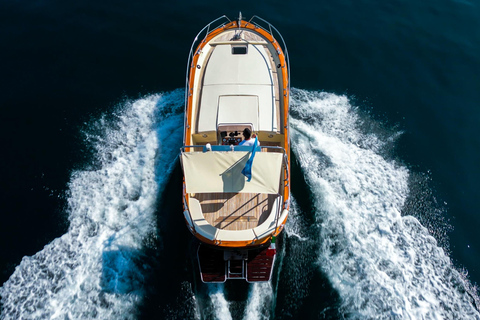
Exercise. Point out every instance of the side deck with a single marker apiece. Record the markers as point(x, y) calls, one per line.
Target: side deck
point(235, 211)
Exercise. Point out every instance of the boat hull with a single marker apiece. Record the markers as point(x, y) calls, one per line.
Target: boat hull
point(237, 79)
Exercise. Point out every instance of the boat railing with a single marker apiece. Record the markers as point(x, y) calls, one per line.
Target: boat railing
point(220, 22)
point(276, 35)
point(196, 148)
point(206, 30)
point(225, 148)
point(204, 148)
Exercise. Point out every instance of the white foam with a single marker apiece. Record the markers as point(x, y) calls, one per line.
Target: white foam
point(294, 228)
point(259, 301)
point(95, 270)
point(383, 265)
point(220, 304)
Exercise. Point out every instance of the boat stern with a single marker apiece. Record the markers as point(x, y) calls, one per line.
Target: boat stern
point(253, 265)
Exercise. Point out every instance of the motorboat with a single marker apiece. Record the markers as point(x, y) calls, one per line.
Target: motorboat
point(236, 148)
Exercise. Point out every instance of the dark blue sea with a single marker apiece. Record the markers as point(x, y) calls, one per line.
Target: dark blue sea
point(385, 121)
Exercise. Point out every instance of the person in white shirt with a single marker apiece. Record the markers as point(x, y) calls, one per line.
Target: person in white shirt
point(249, 138)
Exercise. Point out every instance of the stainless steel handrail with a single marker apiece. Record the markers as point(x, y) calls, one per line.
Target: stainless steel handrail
point(190, 59)
point(282, 44)
point(182, 148)
point(284, 48)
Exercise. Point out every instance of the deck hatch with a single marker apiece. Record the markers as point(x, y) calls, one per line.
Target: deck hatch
point(239, 49)
point(238, 109)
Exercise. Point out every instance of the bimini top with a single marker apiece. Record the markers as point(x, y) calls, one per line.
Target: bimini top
point(213, 171)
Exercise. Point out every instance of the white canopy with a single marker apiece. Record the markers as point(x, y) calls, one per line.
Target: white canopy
point(215, 171)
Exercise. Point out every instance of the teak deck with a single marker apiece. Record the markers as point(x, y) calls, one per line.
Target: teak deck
point(235, 211)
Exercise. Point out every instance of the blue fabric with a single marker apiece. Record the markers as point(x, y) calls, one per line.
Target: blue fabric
point(245, 148)
point(229, 148)
point(218, 148)
point(247, 171)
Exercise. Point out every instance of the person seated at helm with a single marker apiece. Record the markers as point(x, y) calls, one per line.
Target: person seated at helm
point(249, 138)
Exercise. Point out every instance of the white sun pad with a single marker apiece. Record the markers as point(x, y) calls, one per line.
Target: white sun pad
point(213, 171)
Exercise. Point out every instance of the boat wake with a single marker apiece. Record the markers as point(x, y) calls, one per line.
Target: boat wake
point(220, 304)
point(361, 234)
point(382, 262)
point(97, 269)
point(258, 305)
point(259, 302)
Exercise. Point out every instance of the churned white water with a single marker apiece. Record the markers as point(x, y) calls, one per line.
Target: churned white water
point(382, 262)
point(220, 304)
point(383, 265)
point(259, 301)
point(96, 269)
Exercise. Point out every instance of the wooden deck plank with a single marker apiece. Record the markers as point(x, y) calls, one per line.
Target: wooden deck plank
point(235, 211)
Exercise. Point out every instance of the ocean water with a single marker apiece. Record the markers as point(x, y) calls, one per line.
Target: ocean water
point(384, 117)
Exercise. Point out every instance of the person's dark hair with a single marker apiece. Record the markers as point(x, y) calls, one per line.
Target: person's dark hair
point(247, 133)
